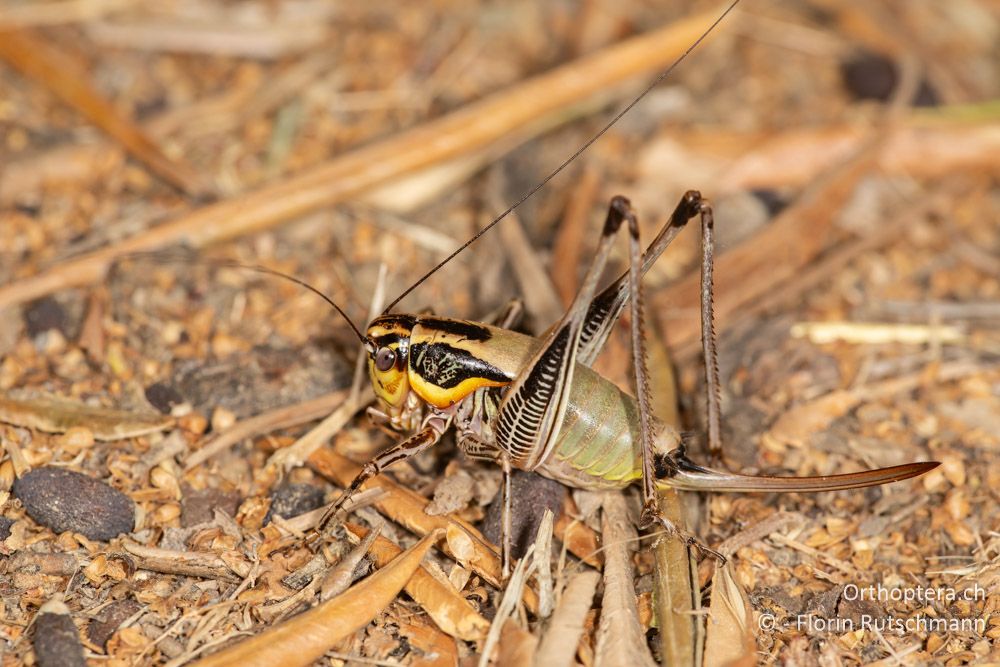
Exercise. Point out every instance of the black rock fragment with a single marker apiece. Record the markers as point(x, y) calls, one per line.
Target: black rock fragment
point(531, 495)
point(290, 500)
point(101, 629)
point(64, 500)
point(163, 397)
point(44, 314)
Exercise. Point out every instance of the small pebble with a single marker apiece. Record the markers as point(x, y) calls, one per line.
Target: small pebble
point(45, 314)
point(57, 642)
point(166, 513)
point(7, 475)
point(5, 525)
point(953, 469)
point(163, 477)
point(77, 438)
point(291, 500)
point(193, 422)
point(64, 500)
point(163, 397)
point(100, 630)
point(222, 419)
point(872, 76)
point(531, 495)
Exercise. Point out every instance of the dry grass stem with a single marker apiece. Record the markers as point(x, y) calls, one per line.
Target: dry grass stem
point(620, 638)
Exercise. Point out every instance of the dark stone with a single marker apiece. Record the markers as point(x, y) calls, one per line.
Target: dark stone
point(199, 506)
point(872, 76)
point(57, 643)
point(64, 500)
point(163, 397)
point(531, 495)
point(5, 525)
point(771, 199)
point(248, 383)
point(291, 500)
point(100, 630)
point(44, 314)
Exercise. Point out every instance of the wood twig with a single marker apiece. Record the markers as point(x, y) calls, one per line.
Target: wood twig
point(620, 638)
point(266, 422)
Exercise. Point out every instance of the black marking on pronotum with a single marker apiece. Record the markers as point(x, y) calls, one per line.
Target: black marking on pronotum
point(447, 366)
point(386, 340)
point(388, 321)
point(459, 328)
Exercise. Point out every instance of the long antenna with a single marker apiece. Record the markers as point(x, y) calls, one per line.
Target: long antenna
point(565, 163)
point(168, 257)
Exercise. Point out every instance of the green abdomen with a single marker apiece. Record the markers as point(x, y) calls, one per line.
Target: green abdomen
point(598, 446)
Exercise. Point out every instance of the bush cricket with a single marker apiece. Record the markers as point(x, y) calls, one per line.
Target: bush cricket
point(535, 404)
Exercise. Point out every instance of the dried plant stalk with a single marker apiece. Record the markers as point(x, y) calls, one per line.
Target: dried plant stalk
point(185, 563)
point(266, 422)
point(566, 625)
point(58, 415)
point(675, 595)
point(620, 639)
point(338, 579)
point(406, 508)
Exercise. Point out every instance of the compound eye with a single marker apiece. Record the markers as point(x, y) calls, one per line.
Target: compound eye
point(385, 359)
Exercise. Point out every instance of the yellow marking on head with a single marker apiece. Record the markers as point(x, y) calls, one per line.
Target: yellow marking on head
point(391, 386)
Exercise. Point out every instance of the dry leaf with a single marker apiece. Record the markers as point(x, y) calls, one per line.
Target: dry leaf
point(730, 640)
point(566, 625)
point(620, 637)
point(446, 607)
point(306, 637)
point(58, 415)
point(801, 421)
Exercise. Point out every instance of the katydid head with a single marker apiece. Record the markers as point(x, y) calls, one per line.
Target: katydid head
point(388, 345)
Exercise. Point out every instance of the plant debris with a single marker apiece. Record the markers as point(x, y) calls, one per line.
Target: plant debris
point(171, 427)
